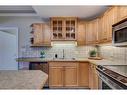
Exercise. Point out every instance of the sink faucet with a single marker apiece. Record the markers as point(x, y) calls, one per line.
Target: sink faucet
point(63, 54)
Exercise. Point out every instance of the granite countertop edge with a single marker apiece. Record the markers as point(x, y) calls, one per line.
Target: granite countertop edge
point(96, 62)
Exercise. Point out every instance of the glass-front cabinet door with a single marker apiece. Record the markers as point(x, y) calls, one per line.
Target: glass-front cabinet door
point(57, 29)
point(70, 29)
point(63, 28)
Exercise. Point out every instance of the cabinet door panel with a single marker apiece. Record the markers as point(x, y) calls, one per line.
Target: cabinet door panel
point(122, 12)
point(90, 77)
point(56, 76)
point(83, 74)
point(112, 19)
point(64, 28)
point(89, 33)
point(38, 34)
point(46, 35)
point(93, 77)
point(107, 20)
point(81, 34)
point(71, 78)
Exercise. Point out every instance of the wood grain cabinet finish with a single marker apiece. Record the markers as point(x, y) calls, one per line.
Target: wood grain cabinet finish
point(107, 20)
point(99, 30)
point(89, 33)
point(122, 12)
point(83, 75)
point(93, 77)
point(63, 74)
point(70, 76)
point(81, 38)
point(55, 76)
point(96, 30)
point(41, 34)
point(92, 29)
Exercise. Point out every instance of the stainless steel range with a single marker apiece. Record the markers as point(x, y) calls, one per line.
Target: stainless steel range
point(110, 79)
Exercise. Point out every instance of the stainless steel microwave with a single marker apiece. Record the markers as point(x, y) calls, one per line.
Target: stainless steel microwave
point(119, 33)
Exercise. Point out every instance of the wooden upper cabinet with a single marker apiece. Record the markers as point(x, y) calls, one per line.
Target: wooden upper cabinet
point(96, 30)
point(103, 31)
point(81, 39)
point(89, 33)
point(122, 12)
point(107, 20)
point(92, 29)
point(37, 34)
point(64, 28)
point(112, 18)
point(40, 35)
point(46, 35)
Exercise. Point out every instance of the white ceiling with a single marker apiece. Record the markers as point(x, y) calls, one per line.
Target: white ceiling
point(45, 12)
point(83, 12)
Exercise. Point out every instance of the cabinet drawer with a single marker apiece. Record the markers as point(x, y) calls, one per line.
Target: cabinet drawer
point(63, 63)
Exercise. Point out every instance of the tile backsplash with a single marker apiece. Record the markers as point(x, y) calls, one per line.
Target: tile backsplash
point(69, 51)
point(117, 54)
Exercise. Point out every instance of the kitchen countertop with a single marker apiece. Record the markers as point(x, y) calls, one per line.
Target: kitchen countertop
point(96, 62)
point(22, 79)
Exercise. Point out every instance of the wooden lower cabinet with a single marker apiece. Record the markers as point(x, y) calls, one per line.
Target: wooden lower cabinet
point(55, 76)
point(73, 75)
point(70, 76)
point(83, 75)
point(93, 77)
point(63, 74)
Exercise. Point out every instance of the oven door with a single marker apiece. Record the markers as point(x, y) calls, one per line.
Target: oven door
point(105, 86)
point(102, 84)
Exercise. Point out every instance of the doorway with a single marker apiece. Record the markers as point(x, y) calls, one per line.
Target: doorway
point(8, 48)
